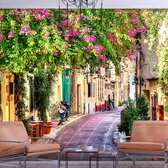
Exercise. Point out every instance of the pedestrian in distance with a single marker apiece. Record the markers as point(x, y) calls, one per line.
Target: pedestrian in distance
point(62, 110)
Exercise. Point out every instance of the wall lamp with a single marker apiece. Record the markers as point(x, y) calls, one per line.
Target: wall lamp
point(67, 75)
point(138, 81)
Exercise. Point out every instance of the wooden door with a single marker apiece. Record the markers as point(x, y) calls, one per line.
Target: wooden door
point(79, 104)
point(154, 100)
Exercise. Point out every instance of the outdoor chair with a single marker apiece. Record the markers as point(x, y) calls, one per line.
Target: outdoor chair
point(148, 139)
point(14, 142)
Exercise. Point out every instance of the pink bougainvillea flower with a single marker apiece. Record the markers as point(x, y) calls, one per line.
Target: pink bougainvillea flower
point(126, 21)
point(38, 17)
point(131, 59)
point(10, 34)
point(112, 37)
point(3, 55)
point(44, 12)
point(131, 32)
point(89, 47)
point(76, 33)
point(65, 46)
point(1, 37)
point(1, 18)
point(114, 21)
point(133, 15)
point(90, 38)
point(93, 39)
point(99, 48)
point(55, 53)
point(70, 33)
point(87, 38)
point(134, 21)
point(119, 10)
point(102, 57)
point(73, 40)
point(25, 29)
point(143, 30)
point(66, 23)
point(16, 12)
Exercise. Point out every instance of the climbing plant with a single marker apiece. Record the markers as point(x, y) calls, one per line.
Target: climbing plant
point(43, 91)
point(155, 19)
point(20, 98)
point(163, 62)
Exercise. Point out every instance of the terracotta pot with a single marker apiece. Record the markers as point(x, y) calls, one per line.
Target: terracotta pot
point(161, 112)
point(47, 129)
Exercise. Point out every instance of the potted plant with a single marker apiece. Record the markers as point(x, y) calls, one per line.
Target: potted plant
point(166, 109)
point(53, 111)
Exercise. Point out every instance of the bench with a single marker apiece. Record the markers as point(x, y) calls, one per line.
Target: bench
point(14, 142)
point(148, 138)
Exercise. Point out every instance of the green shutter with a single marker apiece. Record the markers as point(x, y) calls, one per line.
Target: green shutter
point(66, 86)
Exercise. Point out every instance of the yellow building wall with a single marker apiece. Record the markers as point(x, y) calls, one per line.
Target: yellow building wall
point(7, 100)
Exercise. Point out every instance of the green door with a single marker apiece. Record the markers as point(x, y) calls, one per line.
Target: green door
point(66, 85)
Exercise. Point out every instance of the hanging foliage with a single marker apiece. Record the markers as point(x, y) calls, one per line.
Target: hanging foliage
point(156, 21)
point(35, 38)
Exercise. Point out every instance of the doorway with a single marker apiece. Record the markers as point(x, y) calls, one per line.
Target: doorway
point(66, 86)
point(154, 101)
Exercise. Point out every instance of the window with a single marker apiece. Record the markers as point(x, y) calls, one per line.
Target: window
point(89, 89)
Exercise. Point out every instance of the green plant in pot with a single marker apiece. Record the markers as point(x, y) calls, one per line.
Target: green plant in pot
point(166, 109)
point(132, 113)
point(43, 91)
point(53, 111)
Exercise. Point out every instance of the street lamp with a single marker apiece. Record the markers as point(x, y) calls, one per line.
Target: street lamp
point(67, 75)
point(138, 81)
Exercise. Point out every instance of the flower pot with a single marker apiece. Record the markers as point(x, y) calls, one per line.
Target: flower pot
point(47, 129)
point(161, 112)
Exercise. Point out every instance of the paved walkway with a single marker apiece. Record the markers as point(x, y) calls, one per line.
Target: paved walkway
point(91, 130)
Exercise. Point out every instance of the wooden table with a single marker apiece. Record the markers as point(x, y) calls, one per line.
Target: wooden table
point(41, 125)
point(34, 132)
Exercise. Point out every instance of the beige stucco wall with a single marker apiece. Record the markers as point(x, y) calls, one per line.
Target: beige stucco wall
point(149, 61)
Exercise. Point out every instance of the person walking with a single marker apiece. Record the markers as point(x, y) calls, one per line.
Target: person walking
point(109, 102)
point(62, 110)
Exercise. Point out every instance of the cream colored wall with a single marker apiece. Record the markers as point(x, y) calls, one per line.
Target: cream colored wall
point(149, 61)
point(90, 101)
point(57, 89)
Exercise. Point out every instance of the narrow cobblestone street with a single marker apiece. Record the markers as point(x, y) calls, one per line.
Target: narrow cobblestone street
point(95, 130)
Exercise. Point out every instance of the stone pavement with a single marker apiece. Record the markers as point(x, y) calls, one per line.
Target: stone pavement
point(73, 118)
point(84, 164)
